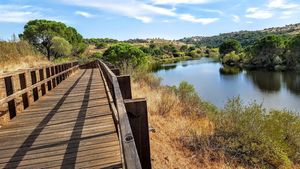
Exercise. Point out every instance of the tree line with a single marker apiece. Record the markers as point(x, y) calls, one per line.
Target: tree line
point(271, 52)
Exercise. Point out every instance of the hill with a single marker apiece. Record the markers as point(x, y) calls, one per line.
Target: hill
point(244, 37)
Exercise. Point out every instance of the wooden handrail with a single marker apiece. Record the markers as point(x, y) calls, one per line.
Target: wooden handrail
point(21, 88)
point(18, 93)
point(127, 143)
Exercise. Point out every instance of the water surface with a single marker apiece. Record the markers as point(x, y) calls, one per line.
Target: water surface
point(275, 90)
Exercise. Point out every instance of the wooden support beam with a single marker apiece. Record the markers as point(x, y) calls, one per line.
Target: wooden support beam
point(138, 118)
point(125, 86)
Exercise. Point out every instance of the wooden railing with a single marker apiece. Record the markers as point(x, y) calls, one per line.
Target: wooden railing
point(18, 90)
point(130, 116)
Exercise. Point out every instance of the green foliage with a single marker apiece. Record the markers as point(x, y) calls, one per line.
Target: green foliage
point(79, 48)
point(125, 54)
point(95, 41)
point(266, 51)
point(230, 46)
point(97, 55)
point(40, 33)
point(60, 47)
point(190, 100)
point(231, 58)
point(101, 45)
point(293, 54)
point(246, 38)
point(252, 137)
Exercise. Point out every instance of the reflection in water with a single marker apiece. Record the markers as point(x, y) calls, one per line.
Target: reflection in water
point(266, 81)
point(157, 67)
point(292, 81)
point(229, 70)
point(274, 89)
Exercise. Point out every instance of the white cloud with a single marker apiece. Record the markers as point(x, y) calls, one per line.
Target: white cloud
point(144, 19)
point(173, 2)
point(138, 10)
point(191, 18)
point(17, 13)
point(249, 22)
point(257, 13)
point(236, 18)
point(84, 14)
point(282, 4)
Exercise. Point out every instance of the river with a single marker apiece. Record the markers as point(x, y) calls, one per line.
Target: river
point(275, 90)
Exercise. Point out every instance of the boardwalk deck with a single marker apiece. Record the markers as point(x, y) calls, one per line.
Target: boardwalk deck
point(70, 127)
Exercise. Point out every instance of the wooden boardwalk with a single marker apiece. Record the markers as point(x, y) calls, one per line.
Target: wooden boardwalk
point(70, 127)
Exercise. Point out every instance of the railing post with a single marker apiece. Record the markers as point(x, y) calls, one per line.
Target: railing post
point(35, 91)
point(17, 87)
point(52, 74)
point(138, 118)
point(9, 91)
point(125, 86)
point(41, 78)
point(28, 83)
point(4, 115)
point(23, 85)
point(48, 74)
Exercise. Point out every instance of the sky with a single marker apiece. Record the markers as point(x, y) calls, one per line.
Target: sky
point(169, 19)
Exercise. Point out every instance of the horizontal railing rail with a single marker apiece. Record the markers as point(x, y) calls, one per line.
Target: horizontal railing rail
point(19, 89)
point(127, 143)
point(130, 116)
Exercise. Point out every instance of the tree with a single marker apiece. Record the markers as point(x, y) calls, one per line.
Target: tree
point(184, 48)
point(293, 54)
point(124, 53)
point(60, 47)
point(267, 50)
point(41, 32)
point(230, 46)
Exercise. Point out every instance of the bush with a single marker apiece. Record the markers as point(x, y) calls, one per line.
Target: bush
point(60, 47)
point(101, 45)
point(79, 49)
point(231, 58)
point(190, 100)
point(125, 54)
point(96, 55)
point(167, 102)
point(250, 136)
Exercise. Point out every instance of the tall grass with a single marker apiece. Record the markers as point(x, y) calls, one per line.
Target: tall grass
point(18, 55)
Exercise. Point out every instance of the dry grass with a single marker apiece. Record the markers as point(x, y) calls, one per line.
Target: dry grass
point(167, 149)
point(19, 55)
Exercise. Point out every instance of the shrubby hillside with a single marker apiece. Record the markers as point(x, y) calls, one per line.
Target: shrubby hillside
point(244, 37)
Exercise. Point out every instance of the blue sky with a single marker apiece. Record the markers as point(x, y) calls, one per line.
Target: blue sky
point(170, 19)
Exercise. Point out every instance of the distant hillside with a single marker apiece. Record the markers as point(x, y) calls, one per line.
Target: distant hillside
point(244, 37)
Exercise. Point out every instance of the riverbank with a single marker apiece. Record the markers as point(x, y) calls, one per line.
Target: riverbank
point(205, 137)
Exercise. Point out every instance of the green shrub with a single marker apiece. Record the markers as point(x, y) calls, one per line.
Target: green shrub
point(251, 136)
point(97, 55)
point(101, 45)
point(125, 54)
point(60, 47)
point(231, 58)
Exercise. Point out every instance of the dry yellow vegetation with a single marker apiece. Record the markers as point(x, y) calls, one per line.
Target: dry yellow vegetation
point(19, 55)
point(167, 149)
